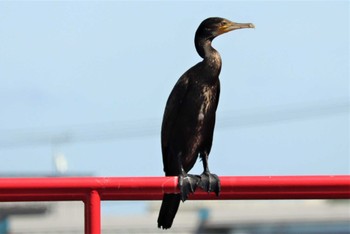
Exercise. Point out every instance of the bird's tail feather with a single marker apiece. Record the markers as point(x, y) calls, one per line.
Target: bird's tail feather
point(168, 210)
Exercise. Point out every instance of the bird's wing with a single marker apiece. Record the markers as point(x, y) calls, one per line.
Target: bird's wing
point(172, 108)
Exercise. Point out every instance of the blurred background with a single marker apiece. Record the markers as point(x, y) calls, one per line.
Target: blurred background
point(83, 86)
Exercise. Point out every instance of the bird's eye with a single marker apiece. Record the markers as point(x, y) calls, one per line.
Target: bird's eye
point(223, 23)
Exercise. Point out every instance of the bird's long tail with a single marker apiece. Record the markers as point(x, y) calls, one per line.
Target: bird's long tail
point(168, 210)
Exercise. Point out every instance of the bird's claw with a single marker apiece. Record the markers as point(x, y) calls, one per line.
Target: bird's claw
point(210, 183)
point(187, 185)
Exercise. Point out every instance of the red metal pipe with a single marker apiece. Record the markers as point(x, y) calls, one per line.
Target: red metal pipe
point(93, 213)
point(91, 190)
point(152, 188)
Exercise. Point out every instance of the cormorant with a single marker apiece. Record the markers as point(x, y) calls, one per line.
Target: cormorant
point(189, 119)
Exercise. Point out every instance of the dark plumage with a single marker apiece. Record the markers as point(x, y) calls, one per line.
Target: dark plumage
point(189, 119)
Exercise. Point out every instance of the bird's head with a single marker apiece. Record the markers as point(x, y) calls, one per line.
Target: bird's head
point(215, 26)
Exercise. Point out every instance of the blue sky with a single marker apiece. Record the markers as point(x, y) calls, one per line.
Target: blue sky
point(93, 77)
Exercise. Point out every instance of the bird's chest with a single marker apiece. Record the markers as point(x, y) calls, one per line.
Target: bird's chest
point(202, 108)
point(207, 98)
point(200, 120)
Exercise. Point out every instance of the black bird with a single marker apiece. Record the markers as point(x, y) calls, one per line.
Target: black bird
point(189, 119)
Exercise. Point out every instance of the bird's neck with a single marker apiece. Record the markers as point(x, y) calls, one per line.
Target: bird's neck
point(210, 56)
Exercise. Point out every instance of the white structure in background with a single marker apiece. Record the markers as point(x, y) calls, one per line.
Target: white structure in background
point(61, 163)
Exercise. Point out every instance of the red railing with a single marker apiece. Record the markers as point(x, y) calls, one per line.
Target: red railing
point(91, 190)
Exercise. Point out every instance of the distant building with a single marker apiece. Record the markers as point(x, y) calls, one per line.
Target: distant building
point(234, 217)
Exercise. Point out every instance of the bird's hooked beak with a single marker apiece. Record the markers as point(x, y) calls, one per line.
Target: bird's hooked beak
point(229, 26)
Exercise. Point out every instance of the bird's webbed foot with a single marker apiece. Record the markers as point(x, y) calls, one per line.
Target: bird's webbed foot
point(187, 184)
point(210, 182)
